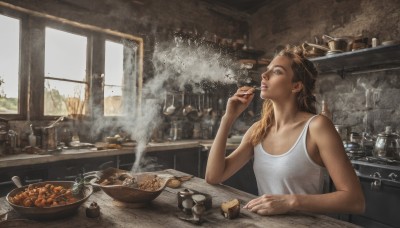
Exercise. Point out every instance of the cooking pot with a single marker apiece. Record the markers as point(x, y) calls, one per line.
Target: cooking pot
point(341, 44)
point(387, 145)
point(55, 212)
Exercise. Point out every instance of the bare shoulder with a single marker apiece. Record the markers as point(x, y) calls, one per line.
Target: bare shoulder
point(320, 124)
point(323, 131)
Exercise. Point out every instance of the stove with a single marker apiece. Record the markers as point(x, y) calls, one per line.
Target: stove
point(380, 181)
point(379, 169)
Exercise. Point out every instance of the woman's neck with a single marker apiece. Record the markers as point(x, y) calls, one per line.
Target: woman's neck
point(284, 113)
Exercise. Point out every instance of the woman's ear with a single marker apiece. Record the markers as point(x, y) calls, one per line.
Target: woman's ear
point(297, 87)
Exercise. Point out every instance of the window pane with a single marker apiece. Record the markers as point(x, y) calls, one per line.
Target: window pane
point(65, 55)
point(9, 65)
point(113, 100)
point(113, 79)
point(64, 98)
point(114, 63)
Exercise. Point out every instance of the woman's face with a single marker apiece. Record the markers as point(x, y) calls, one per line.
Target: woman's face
point(276, 81)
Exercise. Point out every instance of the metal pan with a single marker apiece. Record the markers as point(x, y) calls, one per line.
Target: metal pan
point(47, 213)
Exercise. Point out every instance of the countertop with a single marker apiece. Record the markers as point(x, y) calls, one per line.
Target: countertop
point(163, 211)
point(66, 154)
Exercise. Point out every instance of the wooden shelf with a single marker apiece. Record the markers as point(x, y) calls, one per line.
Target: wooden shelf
point(378, 57)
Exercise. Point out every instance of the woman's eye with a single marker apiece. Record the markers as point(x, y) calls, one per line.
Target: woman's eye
point(276, 71)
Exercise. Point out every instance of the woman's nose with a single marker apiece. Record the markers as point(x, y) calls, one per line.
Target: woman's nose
point(265, 75)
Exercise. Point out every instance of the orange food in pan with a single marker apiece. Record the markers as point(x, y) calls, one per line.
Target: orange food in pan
point(44, 196)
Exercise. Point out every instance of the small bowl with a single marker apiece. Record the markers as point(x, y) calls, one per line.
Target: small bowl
point(128, 194)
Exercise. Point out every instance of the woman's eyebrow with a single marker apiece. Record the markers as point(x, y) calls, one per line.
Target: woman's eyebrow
point(275, 66)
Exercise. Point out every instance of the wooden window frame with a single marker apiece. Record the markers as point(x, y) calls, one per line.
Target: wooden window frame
point(32, 59)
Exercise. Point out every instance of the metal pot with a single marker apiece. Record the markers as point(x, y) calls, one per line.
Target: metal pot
point(387, 145)
point(49, 212)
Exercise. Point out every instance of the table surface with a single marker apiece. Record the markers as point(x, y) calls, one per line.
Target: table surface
point(164, 212)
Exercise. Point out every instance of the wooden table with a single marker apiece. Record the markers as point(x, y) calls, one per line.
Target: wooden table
point(163, 212)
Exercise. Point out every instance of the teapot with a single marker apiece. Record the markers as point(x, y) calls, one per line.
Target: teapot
point(387, 145)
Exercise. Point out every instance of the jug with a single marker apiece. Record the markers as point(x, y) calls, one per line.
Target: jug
point(387, 145)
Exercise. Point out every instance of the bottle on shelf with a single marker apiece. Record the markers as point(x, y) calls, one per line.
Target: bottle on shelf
point(325, 110)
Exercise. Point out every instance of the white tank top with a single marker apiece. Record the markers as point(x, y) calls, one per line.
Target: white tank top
point(290, 173)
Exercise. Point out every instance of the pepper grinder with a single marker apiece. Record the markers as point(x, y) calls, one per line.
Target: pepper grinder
point(93, 211)
point(198, 209)
point(187, 201)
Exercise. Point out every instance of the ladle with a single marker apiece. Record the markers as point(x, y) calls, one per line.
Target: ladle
point(165, 103)
point(171, 109)
point(200, 110)
point(209, 109)
point(55, 122)
point(328, 38)
point(189, 109)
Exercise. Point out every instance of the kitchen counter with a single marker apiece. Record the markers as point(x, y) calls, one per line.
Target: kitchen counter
point(163, 211)
point(67, 154)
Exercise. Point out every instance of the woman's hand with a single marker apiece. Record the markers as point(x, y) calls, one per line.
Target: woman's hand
point(239, 101)
point(271, 204)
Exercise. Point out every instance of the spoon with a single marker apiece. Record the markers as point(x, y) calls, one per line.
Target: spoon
point(171, 109)
point(246, 93)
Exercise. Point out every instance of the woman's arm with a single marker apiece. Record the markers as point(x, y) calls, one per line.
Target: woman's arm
point(348, 197)
point(220, 168)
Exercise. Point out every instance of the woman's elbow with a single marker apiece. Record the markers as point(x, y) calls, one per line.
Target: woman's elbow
point(359, 205)
point(212, 180)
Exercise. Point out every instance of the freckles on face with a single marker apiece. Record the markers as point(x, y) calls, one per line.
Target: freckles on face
point(277, 79)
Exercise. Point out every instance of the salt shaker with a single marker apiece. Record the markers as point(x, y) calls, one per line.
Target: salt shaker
point(185, 201)
point(198, 209)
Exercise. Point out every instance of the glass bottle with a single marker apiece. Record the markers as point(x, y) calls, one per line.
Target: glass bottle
point(325, 110)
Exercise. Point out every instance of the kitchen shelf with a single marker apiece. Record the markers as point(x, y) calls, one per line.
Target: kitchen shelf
point(370, 58)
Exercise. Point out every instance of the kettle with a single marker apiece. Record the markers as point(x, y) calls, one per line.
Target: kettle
point(387, 145)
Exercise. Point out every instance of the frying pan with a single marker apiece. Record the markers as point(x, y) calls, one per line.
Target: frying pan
point(47, 213)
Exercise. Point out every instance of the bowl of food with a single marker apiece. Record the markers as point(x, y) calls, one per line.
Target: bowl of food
point(127, 187)
point(48, 200)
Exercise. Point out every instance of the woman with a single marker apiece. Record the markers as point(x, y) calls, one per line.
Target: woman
point(291, 145)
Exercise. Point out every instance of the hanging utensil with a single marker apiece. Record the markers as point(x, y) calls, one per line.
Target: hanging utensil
point(171, 109)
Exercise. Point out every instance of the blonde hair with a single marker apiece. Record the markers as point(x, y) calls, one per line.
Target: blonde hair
point(305, 72)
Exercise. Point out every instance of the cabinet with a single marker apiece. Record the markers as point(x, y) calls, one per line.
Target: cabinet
point(244, 179)
point(377, 58)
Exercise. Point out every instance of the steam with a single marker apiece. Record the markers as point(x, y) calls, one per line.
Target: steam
point(176, 65)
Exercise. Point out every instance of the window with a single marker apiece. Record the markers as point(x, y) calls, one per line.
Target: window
point(9, 65)
point(65, 73)
point(120, 78)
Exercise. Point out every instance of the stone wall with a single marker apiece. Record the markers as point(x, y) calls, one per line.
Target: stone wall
point(293, 22)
